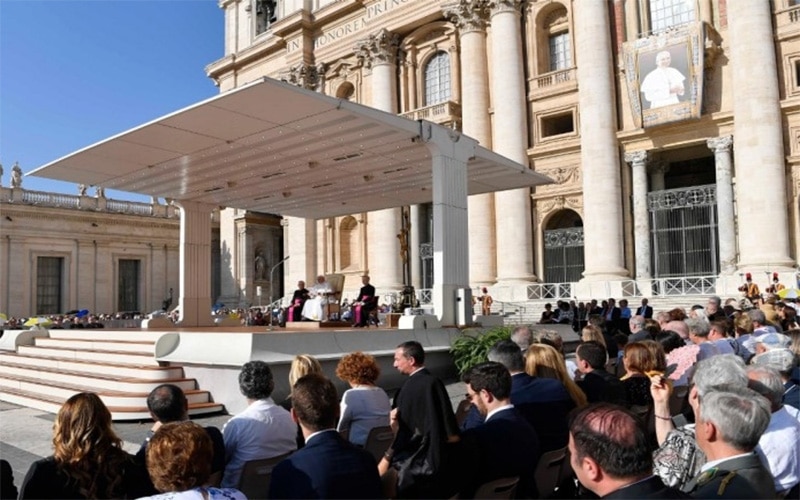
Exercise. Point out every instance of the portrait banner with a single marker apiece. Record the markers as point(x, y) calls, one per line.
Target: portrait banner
point(664, 75)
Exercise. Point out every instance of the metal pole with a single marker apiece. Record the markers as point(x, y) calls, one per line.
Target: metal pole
point(271, 297)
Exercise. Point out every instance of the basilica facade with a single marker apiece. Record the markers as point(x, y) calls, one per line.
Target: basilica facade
point(670, 129)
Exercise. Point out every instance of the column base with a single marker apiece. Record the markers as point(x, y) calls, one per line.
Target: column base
point(516, 280)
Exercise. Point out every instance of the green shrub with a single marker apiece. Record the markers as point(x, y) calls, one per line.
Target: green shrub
point(472, 345)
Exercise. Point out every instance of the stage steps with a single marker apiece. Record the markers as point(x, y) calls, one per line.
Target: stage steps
point(118, 365)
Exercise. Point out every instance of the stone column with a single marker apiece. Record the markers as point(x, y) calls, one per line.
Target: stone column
point(759, 152)
point(379, 52)
point(657, 171)
point(450, 153)
point(602, 190)
point(726, 227)
point(471, 16)
point(641, 221)
point(195, 264)
point(512, 208)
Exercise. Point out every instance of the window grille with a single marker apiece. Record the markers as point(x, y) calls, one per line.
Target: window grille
point(665, 14)
point(560, 57)
point(437, 79)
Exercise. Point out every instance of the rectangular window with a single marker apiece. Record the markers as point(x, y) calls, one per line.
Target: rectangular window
point(563, 123)
point(128, 293)
point(49, 281)
point(560, 57)
point(665, 14)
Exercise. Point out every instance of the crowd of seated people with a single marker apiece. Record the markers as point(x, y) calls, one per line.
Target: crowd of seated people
point(703, 405)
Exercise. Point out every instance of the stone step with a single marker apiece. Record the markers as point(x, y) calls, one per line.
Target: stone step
point(116, 357)
point(107, 368)
point(99, 381)
point(98, 345)
point(129, 335)
point(51, 403)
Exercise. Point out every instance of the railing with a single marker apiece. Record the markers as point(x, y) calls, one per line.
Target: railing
point(425, 296)
point(514, 312)
point(541, 291)
point(50, 199)
point(22, 196)
point(685, 285)
point(554, 78)
point(441, 113)
point(129, 207)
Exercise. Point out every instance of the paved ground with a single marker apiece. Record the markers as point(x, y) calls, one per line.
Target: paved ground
point(26, 434)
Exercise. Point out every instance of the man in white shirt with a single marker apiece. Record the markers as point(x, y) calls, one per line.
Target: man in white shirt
point(262, 430)
point(778, 446)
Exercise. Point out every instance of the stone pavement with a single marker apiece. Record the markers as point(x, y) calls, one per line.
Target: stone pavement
point(26, 434)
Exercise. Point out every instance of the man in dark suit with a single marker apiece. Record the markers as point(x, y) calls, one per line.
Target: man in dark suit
point(364, 304)
point(505, 445)
point(612, 316)
point(645, 310)
point(598, 384)
point(543, 402)
point(167, 403)
point(426, 430)
point(610, 454)
point(328, 466)
point(728, 427)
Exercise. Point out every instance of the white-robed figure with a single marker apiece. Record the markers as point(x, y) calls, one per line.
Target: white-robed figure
point(663, 85)
point(315, 307)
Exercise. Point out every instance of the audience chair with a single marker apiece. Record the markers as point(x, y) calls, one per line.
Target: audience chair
point(256, 475)
point(499, 488)
point(378, 441)
point(550, 471)
point(462, 411)
point(333, 304)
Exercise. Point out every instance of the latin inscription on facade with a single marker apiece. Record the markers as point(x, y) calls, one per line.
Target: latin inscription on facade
point(368, 18)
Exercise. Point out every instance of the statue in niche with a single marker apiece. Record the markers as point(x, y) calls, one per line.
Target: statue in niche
point(261, 267)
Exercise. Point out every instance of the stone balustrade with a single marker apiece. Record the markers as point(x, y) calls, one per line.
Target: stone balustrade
point(21, 196)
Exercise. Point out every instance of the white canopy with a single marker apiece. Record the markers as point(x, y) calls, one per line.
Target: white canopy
point(273, 147)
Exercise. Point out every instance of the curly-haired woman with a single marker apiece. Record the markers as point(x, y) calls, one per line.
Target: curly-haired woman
point(365, 405)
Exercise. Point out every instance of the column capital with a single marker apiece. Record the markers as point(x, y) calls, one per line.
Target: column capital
point(379, 48)
point(636, 158)
point(721, 144)
point(500, 6)
point(468, 15)
point(308, 76)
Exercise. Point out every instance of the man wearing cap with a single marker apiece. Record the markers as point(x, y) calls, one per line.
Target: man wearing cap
point(782, 360)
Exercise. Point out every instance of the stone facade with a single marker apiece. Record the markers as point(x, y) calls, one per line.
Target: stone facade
point(549, 83)
point(705, 186)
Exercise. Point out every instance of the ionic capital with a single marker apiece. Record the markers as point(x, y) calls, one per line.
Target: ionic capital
point(468, 15)
point(379, 48)
point(720, 144)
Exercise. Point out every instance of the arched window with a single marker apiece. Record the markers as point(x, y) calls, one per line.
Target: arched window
point(437, 79)
point(349, 243)
point(556, 25)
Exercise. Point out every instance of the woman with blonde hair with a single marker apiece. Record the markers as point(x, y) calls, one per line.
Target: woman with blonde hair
point(544, 361)
point(591, 333)
point(88, 460)
point(365, 405)
point(302, 365)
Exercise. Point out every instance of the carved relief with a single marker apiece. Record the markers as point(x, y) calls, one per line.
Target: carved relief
point(549, 205)
point(562, 175)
